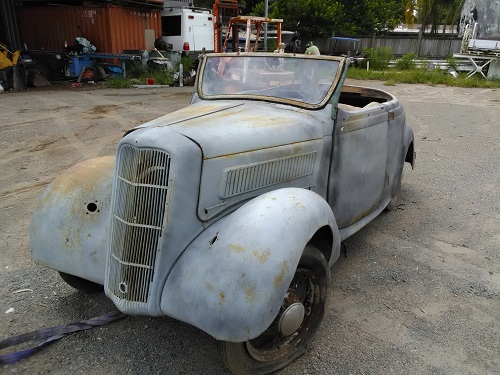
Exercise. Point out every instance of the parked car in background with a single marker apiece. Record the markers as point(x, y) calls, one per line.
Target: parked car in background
point(229, 213)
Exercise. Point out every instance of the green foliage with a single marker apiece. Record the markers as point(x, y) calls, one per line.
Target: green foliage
point(365, 17)
point(259, 8)
point(439, 12)
point(138, 75)
point(313, 17)
point(379, 57)
point(187, 63)
point(271, 45)
point(406, 62)
point(161, 76)
point(436, 77)
point(452, 63)
point(118, 83)
point(135, 69)
point(319, 18)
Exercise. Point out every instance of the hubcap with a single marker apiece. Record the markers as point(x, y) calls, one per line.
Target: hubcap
point(291, 319)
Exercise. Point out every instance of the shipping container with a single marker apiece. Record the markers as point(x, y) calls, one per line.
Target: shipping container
point(112, 29)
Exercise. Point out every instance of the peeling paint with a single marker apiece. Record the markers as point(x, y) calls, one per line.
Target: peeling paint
point(84, 176)
point(236, 248)
point(263, 256)
point(250, 295)
point(278, 279)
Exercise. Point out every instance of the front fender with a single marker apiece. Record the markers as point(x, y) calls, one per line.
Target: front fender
point(69, 227)
point(230, 282)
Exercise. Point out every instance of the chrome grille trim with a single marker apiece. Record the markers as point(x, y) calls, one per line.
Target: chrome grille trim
point(139, 207)
point(240, 180)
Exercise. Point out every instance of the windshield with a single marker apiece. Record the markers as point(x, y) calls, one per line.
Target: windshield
point(293, 79)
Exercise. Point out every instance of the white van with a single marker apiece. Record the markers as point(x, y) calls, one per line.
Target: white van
point(188, 29)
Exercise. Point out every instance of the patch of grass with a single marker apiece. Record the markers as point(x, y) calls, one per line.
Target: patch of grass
point(436, 77)
point(140, 76)
point(161, 76)
point(118, 83)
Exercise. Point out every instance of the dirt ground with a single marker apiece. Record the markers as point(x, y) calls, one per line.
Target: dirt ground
point(417, 293)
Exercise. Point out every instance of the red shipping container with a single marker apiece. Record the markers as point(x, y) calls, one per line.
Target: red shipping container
point(112, 29)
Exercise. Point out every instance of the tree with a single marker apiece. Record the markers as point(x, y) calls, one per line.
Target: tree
point(310, 17)
point(436, 12)
point(319, 18)
point(344, 17)
point(369, 16)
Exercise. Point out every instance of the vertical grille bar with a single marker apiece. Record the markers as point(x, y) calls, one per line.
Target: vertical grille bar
point(139, 209)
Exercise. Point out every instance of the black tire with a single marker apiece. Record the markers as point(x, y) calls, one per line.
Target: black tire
point(38, 68)
point(84, 286)
point(272, 351)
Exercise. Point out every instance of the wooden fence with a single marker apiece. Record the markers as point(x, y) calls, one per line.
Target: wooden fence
point(426, 46)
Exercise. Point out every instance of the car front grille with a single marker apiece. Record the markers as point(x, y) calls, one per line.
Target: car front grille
point(139, 207)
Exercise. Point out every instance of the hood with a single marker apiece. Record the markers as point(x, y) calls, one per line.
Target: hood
point(229, 127)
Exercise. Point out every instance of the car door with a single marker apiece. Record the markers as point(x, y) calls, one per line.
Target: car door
point(359, 163)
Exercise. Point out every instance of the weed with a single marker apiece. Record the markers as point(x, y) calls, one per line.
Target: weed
point(118, 83)
point(452, 62)
point(436, 77)
point(379, 57)
point(406, 62)
point(187, 63)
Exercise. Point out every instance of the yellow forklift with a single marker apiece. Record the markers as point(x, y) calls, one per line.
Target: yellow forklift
point(16, 74)
point(8, 58)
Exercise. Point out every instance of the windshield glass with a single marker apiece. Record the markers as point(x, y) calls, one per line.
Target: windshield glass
point(287, 78)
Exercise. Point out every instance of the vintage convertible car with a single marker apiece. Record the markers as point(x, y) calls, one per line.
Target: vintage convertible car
point(229, 213)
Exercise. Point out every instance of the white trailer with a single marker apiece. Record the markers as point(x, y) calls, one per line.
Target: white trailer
point(188, 29)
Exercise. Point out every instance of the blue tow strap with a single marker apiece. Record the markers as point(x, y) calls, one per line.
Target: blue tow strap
point(52, 334)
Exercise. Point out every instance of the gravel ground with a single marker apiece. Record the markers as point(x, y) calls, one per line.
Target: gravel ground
point(417, 292)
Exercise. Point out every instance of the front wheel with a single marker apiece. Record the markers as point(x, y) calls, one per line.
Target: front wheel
point(299, 318)
point(84, 286)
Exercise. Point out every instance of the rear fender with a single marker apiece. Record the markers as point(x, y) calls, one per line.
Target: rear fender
point(410, 148)
point(230, 282)
point(70, 225)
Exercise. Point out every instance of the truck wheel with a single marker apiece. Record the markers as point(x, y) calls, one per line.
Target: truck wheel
point(85, 286)
point(299, 318)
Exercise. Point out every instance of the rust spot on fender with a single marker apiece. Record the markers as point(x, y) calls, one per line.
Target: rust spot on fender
point(236, 248)
point(85, 177)
point(278, 279)
point(262, 256)
point(250, 295)
point(222, 297)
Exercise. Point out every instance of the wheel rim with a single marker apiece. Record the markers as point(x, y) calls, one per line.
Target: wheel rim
point(272, 345)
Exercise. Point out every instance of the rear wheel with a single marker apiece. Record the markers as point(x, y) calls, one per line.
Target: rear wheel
point(85, 286)
point(299, 318)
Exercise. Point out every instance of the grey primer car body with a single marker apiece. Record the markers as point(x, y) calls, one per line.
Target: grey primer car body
point(205, 213)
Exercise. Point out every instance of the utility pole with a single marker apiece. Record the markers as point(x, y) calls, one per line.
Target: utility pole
point(266, 11)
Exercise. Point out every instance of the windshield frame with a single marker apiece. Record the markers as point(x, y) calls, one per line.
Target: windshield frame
point(272, 99)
